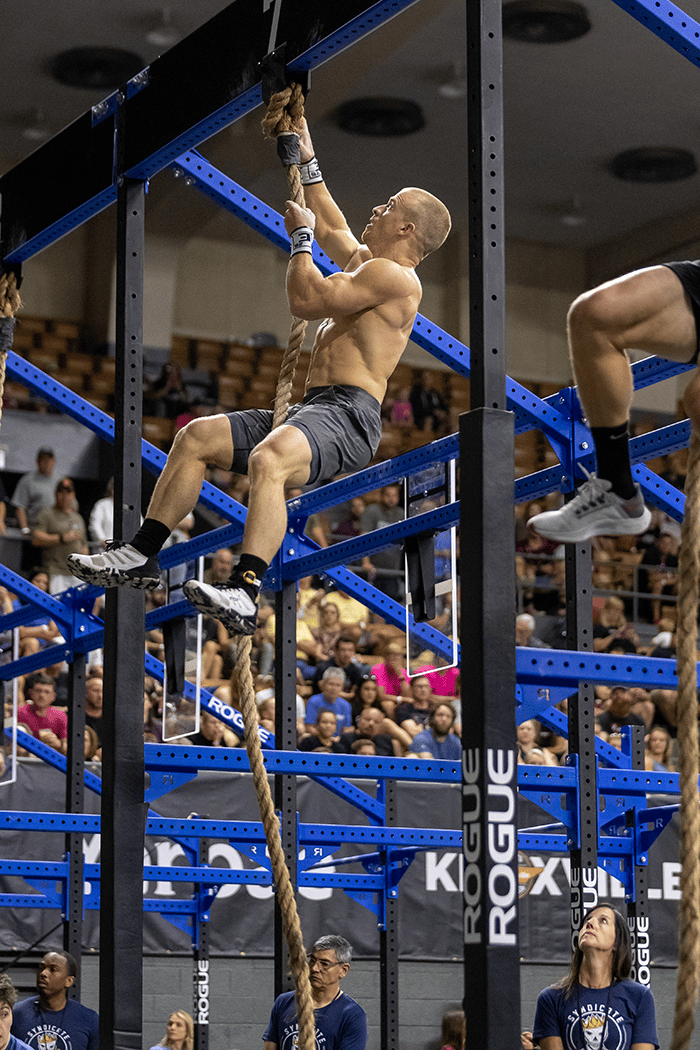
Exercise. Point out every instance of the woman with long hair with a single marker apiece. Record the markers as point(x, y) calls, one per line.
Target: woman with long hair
point(596, 1006)
point(179, 1032)
point(454, 1030)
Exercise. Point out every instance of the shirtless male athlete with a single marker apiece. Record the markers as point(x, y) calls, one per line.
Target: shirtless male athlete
point(369, 309)
point(656, 310)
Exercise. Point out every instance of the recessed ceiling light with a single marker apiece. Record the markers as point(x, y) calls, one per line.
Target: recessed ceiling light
point(653, 164)
point(545, 21)
point(98, 68)
point(383, 117)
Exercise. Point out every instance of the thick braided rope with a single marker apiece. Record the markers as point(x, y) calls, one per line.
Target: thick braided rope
point(9, 305)
point(270, 820)
point(281, 111)
point(283, 115)
point(688, 764)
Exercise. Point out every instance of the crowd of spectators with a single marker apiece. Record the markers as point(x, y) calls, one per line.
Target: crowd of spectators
point(357, 688)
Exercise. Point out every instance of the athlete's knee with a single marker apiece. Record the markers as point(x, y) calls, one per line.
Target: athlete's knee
point(594, 311)
point(201, 438)
point(268, 460)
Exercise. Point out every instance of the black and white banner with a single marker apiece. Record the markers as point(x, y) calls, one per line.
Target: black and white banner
point(430, 898)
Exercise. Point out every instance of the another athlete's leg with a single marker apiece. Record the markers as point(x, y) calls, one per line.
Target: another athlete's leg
point(648, 311)
point(282, 459)
point(203, 441)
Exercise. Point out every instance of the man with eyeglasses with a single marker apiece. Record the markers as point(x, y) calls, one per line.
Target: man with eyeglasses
point(341, 1023)
point(59, 531)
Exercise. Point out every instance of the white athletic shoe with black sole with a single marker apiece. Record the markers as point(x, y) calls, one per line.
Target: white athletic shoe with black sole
point(594, 511)
point(229, 603)
point(119, 565)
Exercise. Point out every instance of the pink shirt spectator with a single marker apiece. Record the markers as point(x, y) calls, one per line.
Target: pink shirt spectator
point(56, 721)
point(442, 682)
point(388, 678)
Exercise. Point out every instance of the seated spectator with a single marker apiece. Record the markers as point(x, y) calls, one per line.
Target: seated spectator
point(529, 741)
point(91, 746)
point(413, 714)
point(93, 705)
point(438, 741)
point(326, 735)
point(429, 406)
point(221, 567)
point(345, 657)
point(367, 695)
point(384, 568)
point(657, 753)
point(309, 650)
point(350, 525)
point(329, 630)
point(525, 632)
point(401, 413)
point(612, 626)
point(101, 520)
point(618, 712)
point(369, 728)
point(329, 699)
point(392, 677)
point(364, 747)
point(658, 573)
point(444, 681)
point(212, 733)
point(41, 718)
point(41, 631)
point(266, 713)
point(167, 396)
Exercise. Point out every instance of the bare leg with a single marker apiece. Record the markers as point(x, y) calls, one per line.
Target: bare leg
point(282, 459)
point(203, 441)
point(646, 310)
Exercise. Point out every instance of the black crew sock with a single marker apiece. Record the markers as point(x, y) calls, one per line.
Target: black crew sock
point(249, 563)
point(613, 456)
point(150, 537)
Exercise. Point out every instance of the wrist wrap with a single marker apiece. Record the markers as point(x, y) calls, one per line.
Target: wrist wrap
point(302, 240)
point(310, 172)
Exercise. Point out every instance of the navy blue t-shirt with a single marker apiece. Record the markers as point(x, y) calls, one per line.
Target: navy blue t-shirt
point(341, 1024)
point(631, 1017)
point(75, 1027)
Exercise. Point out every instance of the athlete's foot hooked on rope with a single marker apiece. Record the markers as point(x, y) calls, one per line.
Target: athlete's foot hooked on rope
point(229, 602)
point(595, 510)
point(119, 564)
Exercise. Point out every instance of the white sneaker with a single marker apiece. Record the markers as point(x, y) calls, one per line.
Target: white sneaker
point(595, 510)
point(229, 603)
point(119, 564)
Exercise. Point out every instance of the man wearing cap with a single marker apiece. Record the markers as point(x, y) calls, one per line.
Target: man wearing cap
point(59, 531)
point(35, 490)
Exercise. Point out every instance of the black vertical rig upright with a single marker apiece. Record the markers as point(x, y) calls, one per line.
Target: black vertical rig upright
point(285, 740)
point(123, 768)
point(75, 799)
point(581, 712)
point(389, 944)
point(487, 574)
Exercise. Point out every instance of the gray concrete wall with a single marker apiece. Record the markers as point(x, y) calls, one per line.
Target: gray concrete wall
point(242, 990)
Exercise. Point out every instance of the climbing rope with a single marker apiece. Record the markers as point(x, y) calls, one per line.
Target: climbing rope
point(688, 760)
point(281, 122)
point(9, 305)
point(285, 110)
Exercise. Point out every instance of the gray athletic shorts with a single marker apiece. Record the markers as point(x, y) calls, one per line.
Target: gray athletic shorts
point(688, 273)
point(341, 423)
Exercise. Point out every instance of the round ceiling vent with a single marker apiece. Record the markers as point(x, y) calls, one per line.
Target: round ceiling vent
point(383, 117)
point(654, 164)
point(98, 68)
point(545, 21)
